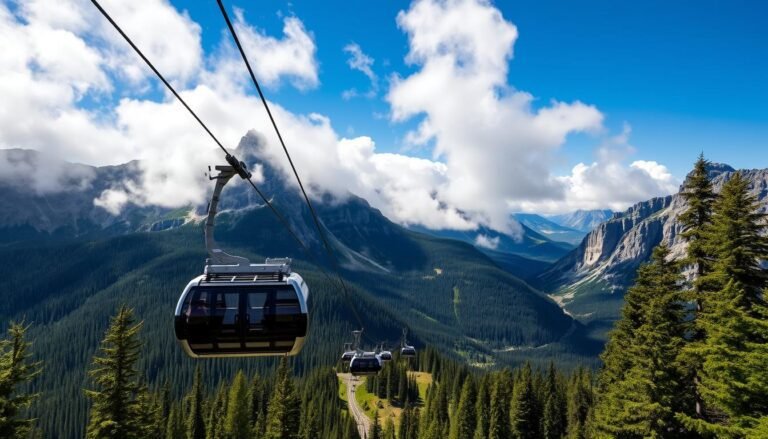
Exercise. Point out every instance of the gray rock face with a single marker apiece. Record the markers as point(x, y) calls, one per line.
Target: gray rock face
point(605, 262)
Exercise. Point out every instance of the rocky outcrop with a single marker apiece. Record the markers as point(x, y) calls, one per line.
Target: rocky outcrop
point(608, 257)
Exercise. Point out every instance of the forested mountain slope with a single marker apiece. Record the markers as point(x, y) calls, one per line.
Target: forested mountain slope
point(452, 297)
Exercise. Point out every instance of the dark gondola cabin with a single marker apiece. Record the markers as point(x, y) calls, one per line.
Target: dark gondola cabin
point(385, 356)
point(236, 308)
point(237, 315)
point(365, 364)
point(346, 357)
point(408, 352)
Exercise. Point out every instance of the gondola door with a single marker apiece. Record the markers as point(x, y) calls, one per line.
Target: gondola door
point(228, 324)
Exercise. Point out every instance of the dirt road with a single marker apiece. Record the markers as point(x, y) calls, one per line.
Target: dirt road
point(362, 420)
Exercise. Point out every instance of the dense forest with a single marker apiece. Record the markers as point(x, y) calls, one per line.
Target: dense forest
point(687, 359)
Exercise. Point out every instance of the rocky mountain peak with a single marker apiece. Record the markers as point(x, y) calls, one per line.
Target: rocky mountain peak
point(605, 262)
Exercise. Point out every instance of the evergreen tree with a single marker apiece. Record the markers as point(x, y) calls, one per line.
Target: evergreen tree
point(175, 427)
point(463, 426)
point(554, 420)
point(115, 410)
point(580, 399)
point(284, 410)
point(524, 416)
point(643, 397)
point(736, 241)
point(258, 403)
point(148, 408)
point(498, 427)
point(699, 195)
point(195, 421)
point(238, 422)
point(375, 431)
point(405, 422)
point(217, 414)
point(733, 377)
point(482, 408)
point(16, 371)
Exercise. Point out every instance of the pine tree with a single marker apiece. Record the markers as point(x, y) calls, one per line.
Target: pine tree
point(733, 377)
point(115, 411)
point(699, 195)
point(580, 399)
point(524, 416)
point(405, 422)
point(554, 421)
point(735, 240)
point(284, 410)
point(258, 404)
point(195, 421)
point(217, 414)
point(238, 418)
point(148, 409)
point(645, 395)
point(498, 427)
point(16, 371)
point(464, 420)
point(375, 431)
point(482, 407)
point(175, 426)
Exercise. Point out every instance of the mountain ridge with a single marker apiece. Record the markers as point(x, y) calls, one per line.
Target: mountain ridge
point(590, 281)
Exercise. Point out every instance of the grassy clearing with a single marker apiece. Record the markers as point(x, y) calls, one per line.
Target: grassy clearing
point(456, 302)
point(369, 402)
point(423, 380)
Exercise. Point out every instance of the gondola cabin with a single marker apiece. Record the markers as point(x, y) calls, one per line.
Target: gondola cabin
point(408, 352)
point(365, 364)
point(243, 311)
point(347, 356)
point(385, 356)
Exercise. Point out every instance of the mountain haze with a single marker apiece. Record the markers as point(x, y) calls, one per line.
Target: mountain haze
point(583, 220)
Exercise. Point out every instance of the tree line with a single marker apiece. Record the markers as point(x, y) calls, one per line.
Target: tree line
point(689, 357)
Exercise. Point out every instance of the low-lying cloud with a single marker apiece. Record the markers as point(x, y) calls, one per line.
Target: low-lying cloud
point(493, 148)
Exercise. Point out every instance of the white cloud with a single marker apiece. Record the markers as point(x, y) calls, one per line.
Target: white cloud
point(293, 56)
point(496, 146)
point(487, 241)
point(361, 62)
point(493, 146)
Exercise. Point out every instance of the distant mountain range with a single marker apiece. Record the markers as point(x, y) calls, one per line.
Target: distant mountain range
point(582, 220)
point(590, 281)
point(551, 229)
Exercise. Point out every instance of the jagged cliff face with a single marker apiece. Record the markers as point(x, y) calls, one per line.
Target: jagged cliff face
point(590, 280)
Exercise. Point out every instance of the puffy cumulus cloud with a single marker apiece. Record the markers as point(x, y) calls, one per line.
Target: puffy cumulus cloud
point(497, 148)
point(361, 62)
point(403, 187)
point(293, 56)
point(493, 147)
point(610, 181)
point(57, 53)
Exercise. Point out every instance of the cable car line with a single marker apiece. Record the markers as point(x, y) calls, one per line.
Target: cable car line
point(316, 220)
point(232, 160)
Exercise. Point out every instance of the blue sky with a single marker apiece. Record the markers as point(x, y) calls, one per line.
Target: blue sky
point(687, 76)
point(480, 109)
